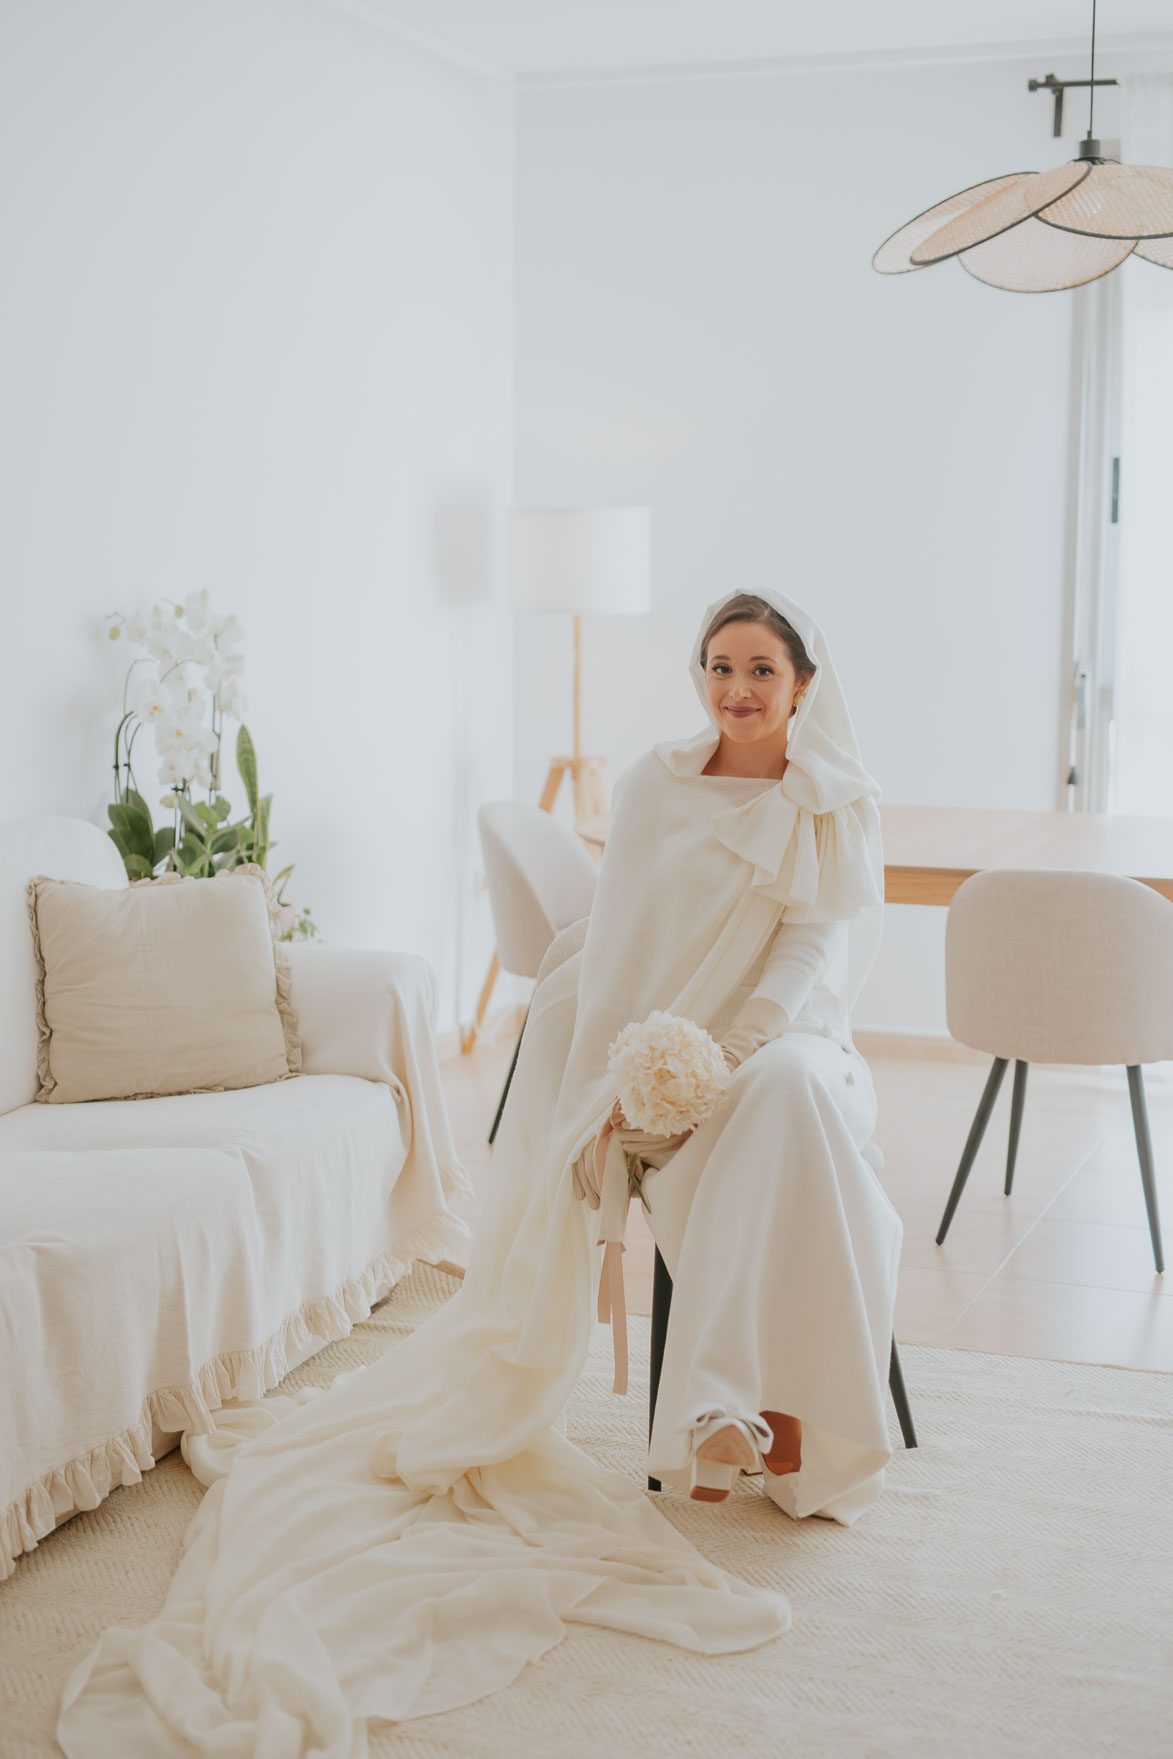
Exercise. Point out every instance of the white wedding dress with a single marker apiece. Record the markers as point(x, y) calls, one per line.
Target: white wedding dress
point(404, 1542)
point(782, 1244)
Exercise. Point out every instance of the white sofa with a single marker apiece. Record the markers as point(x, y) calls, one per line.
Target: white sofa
point(160, 1256)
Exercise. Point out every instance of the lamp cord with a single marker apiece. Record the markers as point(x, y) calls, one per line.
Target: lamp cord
point(1091, 106)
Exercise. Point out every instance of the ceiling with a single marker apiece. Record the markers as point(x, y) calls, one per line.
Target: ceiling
point(528, 37)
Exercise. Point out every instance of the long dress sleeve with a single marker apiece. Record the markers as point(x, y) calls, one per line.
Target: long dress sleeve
point(797, 956)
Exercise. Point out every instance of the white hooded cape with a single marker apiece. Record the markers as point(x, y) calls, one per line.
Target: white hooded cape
point(404, 1542)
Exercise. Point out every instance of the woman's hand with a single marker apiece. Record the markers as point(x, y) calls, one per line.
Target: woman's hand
point(588, 1168)
point(643, 1143)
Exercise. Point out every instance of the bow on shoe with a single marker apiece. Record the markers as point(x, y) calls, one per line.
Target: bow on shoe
point(705, 1420)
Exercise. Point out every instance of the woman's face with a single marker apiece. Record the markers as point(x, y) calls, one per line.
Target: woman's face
point(751, 682)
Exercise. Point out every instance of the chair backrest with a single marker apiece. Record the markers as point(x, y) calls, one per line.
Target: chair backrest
point(1050, 966)
point(567, 941)
point(540, 879)
point(59, 848)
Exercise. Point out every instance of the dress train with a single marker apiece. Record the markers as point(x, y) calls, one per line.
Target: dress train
point(347, 1561)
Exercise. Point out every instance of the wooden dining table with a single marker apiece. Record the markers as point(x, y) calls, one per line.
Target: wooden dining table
point(930, 850)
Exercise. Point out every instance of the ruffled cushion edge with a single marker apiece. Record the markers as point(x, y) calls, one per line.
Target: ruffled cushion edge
point(87, 1480)
point(283, 971)
point(46, 1080)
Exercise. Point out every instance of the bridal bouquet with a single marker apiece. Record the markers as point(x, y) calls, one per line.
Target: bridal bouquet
point(669, 1074)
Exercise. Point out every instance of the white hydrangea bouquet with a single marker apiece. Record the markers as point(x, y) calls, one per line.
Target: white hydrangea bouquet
point(669, 1075)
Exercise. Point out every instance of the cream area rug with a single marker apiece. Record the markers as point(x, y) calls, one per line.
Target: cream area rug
point(1010, 1594)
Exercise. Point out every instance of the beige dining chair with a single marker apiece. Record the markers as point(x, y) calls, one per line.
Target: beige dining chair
point(541, 878)
point(1059, 967)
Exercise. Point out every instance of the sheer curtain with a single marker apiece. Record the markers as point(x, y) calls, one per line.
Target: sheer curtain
point(1141, 762)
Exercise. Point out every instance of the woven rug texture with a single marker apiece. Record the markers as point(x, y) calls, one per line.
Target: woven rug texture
point(1010, 1596)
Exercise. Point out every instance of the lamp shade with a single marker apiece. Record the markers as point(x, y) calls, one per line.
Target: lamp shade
point(1041, 231)
point(580, 559)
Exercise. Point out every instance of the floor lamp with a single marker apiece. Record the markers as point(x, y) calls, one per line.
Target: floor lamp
point(588, 561)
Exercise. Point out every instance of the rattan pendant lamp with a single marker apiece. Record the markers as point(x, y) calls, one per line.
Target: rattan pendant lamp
point(1041, 231)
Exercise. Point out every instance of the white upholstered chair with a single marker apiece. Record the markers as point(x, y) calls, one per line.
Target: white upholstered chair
point(1059, 967)
point(541, 879)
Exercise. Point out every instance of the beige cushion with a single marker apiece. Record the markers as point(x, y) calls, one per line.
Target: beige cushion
point(167, 986)
point(62, 848)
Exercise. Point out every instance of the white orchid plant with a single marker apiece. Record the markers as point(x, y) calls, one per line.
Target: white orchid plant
point(184, 686)
point(192, 663)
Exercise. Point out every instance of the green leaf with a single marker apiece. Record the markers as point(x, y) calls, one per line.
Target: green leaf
point(136, 800)
point(208, 813)
point(164, 843)
point(120, 813)
point(246, 763)
point(188, 858)
point(221, 808)
point(225, 840)
point(135, 828)
point(196, 827)
point(137, 867)
point(264, 807)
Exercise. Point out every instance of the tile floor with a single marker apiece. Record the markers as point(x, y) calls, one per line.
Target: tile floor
point(1062, 1268)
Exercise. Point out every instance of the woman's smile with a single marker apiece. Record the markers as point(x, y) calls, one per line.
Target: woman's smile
point(741, 711)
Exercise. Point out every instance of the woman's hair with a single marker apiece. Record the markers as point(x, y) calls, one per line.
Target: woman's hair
point(748, 608)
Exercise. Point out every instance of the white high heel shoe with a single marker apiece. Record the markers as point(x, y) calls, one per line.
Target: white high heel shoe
point(723, 1446)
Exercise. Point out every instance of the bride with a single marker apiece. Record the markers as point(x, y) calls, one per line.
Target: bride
point(402, 1543)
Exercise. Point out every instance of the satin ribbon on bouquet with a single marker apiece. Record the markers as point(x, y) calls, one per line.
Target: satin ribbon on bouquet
point(616, 1180)
point(613, 1182)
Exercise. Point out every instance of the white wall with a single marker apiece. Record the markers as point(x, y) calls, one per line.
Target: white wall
point(256, 336)
point(699, 329)
point(256, 326)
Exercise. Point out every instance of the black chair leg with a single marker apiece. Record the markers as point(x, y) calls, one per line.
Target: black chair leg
point(508, 1079)
point(974, 1141)
point(1144, 1148)
point(900, 1397)
point(662, 1302)
point(1017, 1099)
